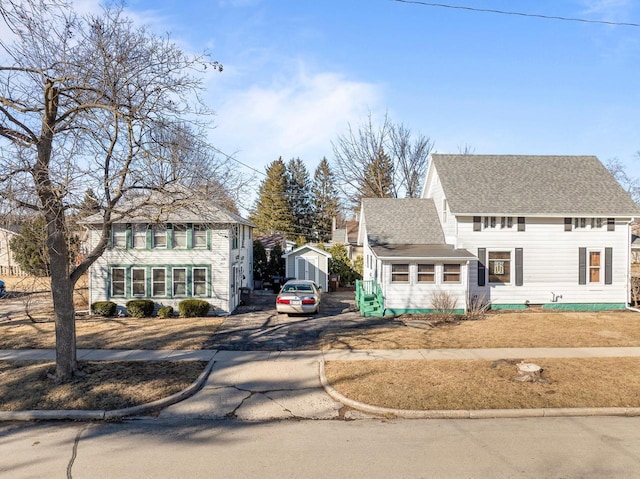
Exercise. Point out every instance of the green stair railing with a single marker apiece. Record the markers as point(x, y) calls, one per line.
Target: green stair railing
point(369, 298)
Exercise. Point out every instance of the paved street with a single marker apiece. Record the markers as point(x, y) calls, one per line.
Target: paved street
point(505, 448)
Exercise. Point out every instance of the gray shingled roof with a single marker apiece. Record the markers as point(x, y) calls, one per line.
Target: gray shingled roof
point(402, 221)
point(522, 185)
point(178, 207)
point(421, 251)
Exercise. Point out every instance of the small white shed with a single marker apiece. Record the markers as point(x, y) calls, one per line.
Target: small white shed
point(308, 262)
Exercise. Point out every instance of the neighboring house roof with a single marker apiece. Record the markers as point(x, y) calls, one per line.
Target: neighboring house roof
point(269, 241)
point(521, 185)
point(401, 221)
point(176, 207)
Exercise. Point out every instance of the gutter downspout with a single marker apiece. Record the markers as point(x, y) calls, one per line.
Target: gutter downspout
point(627, 306)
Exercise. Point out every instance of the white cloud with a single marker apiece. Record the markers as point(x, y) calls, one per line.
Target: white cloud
point(297, 118)
point(607, 9)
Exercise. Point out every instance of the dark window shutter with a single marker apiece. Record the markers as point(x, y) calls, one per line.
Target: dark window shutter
point(608, 266)
point(476, 223)
point(519, 275)
point(482, 259)
point(521, 223)
point(568, 224)
point(611, 224)
point(582, 265)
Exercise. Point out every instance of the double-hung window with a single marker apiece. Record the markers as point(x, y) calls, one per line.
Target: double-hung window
point(400, 273)
point(159, 282)
point(500, 267)
point(118, 282)
point(595, 266)
point(426, 273)
point(199, 282)
point(199, 236)
point(139, 236)
point(119, 236)
point(179, 281)
point(138, 282)
point(451, 273)
point(180, 236)
point(159, 236)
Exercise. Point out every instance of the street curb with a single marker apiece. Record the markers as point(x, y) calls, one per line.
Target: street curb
point(472, 413)
point(100, 415)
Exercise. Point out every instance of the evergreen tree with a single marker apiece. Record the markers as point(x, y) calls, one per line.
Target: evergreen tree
point(378, 177)
point(326, 205)
point(90, 204)
point(272, 212)
point(30, 248)
point(276, 263)
point(260, 261)
point(299, 195)
point(340, 264)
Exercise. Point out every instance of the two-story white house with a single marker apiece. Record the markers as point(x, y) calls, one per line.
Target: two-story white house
point(172, 251)
point(515, 231)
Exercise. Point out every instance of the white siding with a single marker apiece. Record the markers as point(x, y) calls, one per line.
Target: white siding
point(218, 259)
point(550, 261)
point(418, 296)
point(435, 191)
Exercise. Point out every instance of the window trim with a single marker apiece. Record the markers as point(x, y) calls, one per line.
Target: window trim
point(124, 283)
point(173, 282)
point(135, 282)
point(154, 282)
point(179, 230)
point(431, 273)
point(197, 230)
point(119, 232)
point(445, 273)
point(158, 232)
point(193, 282)
point(489, 266)
point(397, 273)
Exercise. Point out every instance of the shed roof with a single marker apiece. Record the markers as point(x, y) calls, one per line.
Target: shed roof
point(422, 251)
point(402, 221)
point(531, 185)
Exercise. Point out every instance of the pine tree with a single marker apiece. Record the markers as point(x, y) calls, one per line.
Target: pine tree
point(326, 205)
point(272, 212)
point(299, 195)
point(378, 178)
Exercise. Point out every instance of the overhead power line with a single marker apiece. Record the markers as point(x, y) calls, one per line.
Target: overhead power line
point(520, 14)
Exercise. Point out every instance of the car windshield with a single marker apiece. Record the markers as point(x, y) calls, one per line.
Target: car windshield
point(293, 288)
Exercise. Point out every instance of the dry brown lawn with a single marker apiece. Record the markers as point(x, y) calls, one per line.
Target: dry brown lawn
point(105, 385)
point(476, 384)
point(114, 333)
point(501, 330)
point(427, 384)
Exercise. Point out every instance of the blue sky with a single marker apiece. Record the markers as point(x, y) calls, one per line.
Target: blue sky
point(298, 72)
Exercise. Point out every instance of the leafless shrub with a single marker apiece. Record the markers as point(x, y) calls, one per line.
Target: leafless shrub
point(477, 307)
point(443, 305)
point(635, 290)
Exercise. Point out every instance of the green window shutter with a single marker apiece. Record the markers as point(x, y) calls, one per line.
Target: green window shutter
point(482, 259)
point(568, 224)
point(149, 236)
point(608, 266)
point(189, 235)
point(169, 233)
point(521, 223)
point(582, 265)
point(476, 223)
point(128, 237)
point(519, 262)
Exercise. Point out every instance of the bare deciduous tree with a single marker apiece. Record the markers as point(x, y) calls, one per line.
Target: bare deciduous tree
point(356, 152)
point(630, 183)
point(88, 102)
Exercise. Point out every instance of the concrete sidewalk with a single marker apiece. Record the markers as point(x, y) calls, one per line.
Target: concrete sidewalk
point(268, 385)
